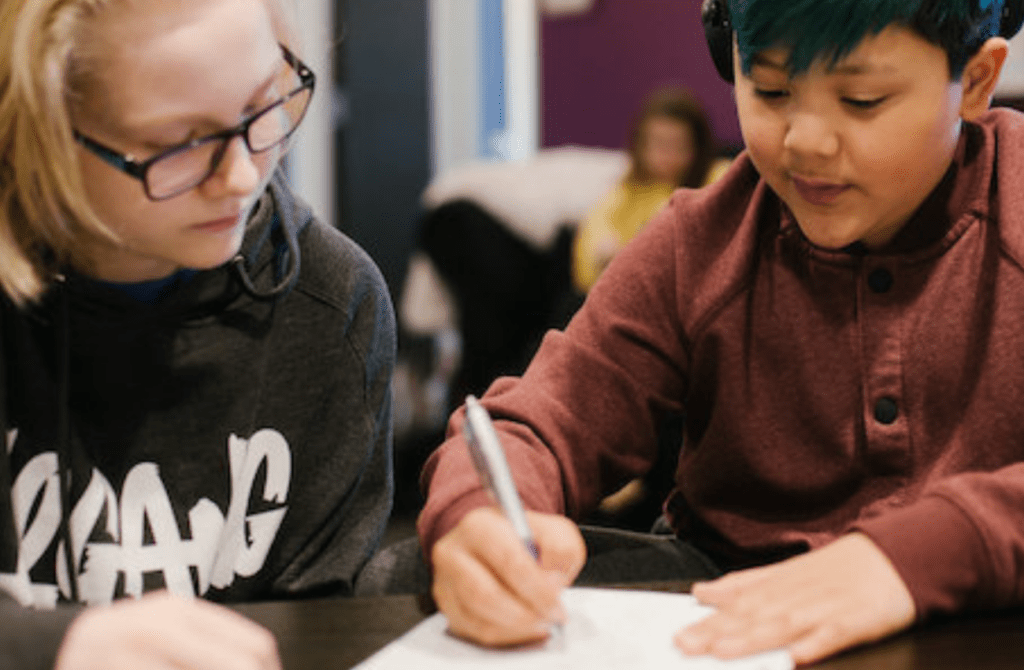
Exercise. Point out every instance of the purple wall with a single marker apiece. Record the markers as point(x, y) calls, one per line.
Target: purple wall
point(597, 68)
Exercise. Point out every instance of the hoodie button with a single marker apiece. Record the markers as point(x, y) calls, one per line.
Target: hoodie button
point(886, 411)
point(880, 280)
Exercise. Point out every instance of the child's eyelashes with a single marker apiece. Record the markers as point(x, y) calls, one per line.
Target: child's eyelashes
point(864, 103)
point(155, 146)
point(256, 107)
point(772, 94)
point(776, 95)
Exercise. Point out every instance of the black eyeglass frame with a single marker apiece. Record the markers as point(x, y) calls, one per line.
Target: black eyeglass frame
point(139, 169)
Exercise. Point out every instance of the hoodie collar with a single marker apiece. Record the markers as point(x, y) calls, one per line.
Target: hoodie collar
point(269, 249)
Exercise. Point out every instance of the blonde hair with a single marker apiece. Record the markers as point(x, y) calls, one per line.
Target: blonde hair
point(45, 66)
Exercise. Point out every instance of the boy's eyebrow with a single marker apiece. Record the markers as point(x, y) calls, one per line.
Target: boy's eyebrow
point(760, 60)
point(843, 68)
point(862, 68)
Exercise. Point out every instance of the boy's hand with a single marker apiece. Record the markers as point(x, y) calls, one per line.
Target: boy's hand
point(161, 631)
point(816, 604)
point(490, 587)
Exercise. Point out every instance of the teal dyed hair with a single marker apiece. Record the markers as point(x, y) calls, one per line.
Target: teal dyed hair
point(831, 29)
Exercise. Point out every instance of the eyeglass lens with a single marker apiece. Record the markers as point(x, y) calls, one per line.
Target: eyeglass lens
point(185, 169)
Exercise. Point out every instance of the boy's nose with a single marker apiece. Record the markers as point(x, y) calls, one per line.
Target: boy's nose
point(809, 134)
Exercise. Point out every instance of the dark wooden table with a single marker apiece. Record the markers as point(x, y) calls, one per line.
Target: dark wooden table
point(339, 633)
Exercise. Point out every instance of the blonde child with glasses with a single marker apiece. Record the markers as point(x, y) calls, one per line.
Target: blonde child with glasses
point(194, 371)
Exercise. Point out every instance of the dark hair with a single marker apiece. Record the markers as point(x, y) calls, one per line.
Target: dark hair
point(679, 105)
point(831, 29)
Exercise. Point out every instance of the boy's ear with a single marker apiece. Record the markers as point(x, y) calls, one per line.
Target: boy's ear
point(981, 74)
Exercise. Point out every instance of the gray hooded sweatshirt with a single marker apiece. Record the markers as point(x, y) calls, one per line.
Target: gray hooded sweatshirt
point(231, 440)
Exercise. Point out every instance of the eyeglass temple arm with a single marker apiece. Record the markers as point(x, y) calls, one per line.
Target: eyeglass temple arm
point(110, 156)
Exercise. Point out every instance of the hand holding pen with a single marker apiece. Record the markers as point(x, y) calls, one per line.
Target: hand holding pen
point(487, 582)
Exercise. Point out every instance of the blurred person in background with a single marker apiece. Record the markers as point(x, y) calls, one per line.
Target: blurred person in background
point(670, 146)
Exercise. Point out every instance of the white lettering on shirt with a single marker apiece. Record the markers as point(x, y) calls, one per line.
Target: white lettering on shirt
point(222, 546)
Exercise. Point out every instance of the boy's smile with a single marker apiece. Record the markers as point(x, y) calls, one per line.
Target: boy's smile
point(818, 191)
point(853, 149)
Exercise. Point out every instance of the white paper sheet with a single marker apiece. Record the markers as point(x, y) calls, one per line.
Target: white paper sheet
point(606, 628)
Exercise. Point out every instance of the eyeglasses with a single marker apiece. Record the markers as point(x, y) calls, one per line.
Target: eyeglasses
point(187, 165)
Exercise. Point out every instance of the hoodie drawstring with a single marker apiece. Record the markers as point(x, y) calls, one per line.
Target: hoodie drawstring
point(63, 357)
point(289, 256)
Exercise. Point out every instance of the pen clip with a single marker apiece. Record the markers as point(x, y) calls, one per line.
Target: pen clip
point(479, 460)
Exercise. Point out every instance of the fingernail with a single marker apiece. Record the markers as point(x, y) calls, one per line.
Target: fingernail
point(699, 588)
point(690, 641)
point(729, 646)
point(540, 631)
point(557, 614)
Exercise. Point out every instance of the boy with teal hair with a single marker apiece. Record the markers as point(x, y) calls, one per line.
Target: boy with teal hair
point(840, 318)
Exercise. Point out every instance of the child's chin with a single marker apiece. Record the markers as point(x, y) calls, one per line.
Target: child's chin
point(824, 240)
point(215, 259)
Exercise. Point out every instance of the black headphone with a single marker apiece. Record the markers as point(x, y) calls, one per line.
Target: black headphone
point(714, 15)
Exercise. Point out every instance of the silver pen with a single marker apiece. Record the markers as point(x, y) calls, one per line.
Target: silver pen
point(492, 467)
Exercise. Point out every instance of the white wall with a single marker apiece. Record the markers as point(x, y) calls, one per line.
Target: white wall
point(311, 161)
point(522, 86)
point(457, 102)
point(455, 91)
point(1011, 84)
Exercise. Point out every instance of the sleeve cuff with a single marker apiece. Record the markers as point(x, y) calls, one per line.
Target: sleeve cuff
point(938, 553)
point(434, 524)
